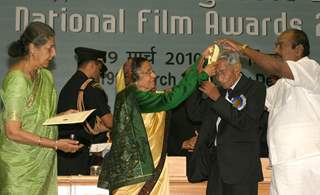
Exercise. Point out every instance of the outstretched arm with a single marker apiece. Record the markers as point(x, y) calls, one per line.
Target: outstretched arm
point(267, 62)
point(151, 102)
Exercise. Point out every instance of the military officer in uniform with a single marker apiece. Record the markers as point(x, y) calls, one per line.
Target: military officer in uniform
point(86, 83)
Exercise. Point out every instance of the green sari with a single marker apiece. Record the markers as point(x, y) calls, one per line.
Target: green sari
point(130, 159)
point(27, 169)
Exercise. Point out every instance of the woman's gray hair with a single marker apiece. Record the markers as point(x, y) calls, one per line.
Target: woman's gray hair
point(37, 33)
point(231, 57)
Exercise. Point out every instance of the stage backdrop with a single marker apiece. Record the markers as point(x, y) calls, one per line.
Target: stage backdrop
point(170, 33)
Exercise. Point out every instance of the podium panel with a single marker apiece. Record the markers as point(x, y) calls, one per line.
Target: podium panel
point(179, 185)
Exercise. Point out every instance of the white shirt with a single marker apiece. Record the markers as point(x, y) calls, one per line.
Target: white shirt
point(294, 113)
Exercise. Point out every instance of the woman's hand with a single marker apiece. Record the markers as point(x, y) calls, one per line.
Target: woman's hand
point(68, 145)
point(210, 69)
point(167, 89)
point(210, 55)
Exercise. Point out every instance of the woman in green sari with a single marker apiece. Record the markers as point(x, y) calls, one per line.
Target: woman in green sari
point(136, 162)
point(28, 98)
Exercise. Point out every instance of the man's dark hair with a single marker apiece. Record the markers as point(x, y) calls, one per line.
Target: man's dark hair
point(300, 38)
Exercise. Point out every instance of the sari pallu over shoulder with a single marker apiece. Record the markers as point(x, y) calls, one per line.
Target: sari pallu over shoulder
point(130, 160)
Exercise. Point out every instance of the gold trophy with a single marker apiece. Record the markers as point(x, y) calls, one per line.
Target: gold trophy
point(214, 53)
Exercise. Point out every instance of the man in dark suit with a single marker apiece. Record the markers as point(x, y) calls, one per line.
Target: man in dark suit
point(232, 140)
point(198, 161)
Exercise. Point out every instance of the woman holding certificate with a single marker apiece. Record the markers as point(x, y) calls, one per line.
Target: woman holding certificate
point(28, 98)
point(136, 163)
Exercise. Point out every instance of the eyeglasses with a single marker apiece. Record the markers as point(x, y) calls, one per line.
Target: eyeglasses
point(149, 72)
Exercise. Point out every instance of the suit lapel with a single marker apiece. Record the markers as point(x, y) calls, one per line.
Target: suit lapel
point(241, 87)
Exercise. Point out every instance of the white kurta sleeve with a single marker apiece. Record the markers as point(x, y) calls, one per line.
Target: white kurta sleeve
point(306, 73)
point(270, 96)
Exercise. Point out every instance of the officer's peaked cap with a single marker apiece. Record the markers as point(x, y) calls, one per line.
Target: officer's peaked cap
point(84, 54)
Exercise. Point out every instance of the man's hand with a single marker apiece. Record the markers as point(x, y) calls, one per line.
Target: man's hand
point(70, 111)
point(189, 144)
point(231, 45)
point(210, 90)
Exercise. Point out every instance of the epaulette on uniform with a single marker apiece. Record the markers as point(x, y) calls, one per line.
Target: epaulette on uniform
point(97, 85)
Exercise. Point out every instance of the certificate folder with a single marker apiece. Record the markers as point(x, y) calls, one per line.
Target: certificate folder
point(76, 117)
point(100, 147)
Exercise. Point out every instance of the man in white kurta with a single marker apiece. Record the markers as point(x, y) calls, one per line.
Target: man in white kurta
point(294, 118)
point(294, 130)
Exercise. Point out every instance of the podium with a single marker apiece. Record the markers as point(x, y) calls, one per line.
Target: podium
point(264, 186)
point(179, 185)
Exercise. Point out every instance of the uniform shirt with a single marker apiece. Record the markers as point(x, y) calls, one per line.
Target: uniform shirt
point(294, 118)
point(94, 98)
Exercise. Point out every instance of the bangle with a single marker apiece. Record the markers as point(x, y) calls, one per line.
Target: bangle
point(56, 145)
point(243, 47)
point(39, 141)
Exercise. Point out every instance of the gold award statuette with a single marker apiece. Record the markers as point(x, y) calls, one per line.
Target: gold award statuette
point(214, 53)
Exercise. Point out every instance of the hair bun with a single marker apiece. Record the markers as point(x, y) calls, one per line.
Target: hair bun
point(16, 49)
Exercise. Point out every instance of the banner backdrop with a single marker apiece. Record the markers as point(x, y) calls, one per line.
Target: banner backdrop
point(169, 33)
